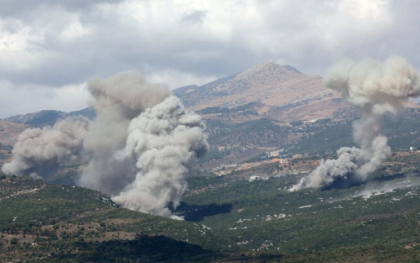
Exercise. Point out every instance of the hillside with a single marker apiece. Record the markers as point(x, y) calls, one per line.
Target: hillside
point(226, 221)
point(267, 108)
point(267, 90)
point(50, 223)
point(236, 143)
point(243, 133)
point(339, 225)
point(9, 131)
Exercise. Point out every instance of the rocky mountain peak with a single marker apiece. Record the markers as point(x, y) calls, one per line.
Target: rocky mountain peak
point(265, 90)
point(269, 69)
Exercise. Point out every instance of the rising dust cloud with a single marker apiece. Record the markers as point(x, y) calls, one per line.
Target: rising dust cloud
point(39, 152)
point(137, 147)
point(376, 88)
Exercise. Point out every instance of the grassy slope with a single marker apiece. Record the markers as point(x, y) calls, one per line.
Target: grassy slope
point(61, 219)
point(331, 230)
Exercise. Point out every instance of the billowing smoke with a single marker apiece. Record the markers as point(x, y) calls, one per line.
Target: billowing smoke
point(376, 88)
point(117, 101)
point(137, 147)
point(162, 140)
point(39, 152)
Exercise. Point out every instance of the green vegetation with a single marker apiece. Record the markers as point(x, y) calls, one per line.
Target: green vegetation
point(327, 140)
point(142, 249)
point(5, 151)
point(403, 132)
point(233, 221)
point(60, 219)
point(243, 138)
point(264, 217)
point(246, 109)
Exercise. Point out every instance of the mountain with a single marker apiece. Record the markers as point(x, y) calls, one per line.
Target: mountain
point(49, 117)
point(263, 109)
point(267, 90)
point(11, 127)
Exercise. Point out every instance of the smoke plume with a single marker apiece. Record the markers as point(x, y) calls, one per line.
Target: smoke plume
point(117, 101)
point(137, 147)
point(376, 88)
point(162, 140)
point(39, 152)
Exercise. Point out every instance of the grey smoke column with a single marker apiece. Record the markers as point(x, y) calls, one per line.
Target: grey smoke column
point(162, 140)
point(38, 152)
point(136, 147)
point(140, 143)
point(376, 88)
point(117, 100)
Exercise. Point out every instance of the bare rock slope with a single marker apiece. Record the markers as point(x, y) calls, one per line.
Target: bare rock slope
point(267, 90)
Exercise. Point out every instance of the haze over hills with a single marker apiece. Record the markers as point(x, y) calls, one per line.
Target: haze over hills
point(9, 131)
point(49, 117)
point(266, 90)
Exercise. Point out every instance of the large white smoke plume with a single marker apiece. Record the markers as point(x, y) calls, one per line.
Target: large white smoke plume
point(137, 147)
point(162, 140)
point(117, 101)
point(376, 88)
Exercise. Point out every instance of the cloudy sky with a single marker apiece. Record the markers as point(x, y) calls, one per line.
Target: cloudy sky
point(50, 49)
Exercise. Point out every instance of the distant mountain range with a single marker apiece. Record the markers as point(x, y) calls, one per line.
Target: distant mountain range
point(11, 127)
point(49, 117)
point(267, 90)
point(265, 108)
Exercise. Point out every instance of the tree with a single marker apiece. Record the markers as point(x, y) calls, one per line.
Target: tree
point(14, 241)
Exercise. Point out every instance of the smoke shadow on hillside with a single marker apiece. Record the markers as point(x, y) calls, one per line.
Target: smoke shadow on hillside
point(142, 249)
point(342, 183)
point(196, 213)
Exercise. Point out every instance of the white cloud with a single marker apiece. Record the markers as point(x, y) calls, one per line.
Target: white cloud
point(175, 79)
point(21, 100)
point(54, 45)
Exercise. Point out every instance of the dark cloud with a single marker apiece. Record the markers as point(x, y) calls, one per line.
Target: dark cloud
point(65, 43)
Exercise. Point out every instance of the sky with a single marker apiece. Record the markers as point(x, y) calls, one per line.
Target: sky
point(50, 49)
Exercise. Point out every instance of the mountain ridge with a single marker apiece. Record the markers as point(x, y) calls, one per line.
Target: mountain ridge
point(266, 90)
point(49, 117)
point(277, 92)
